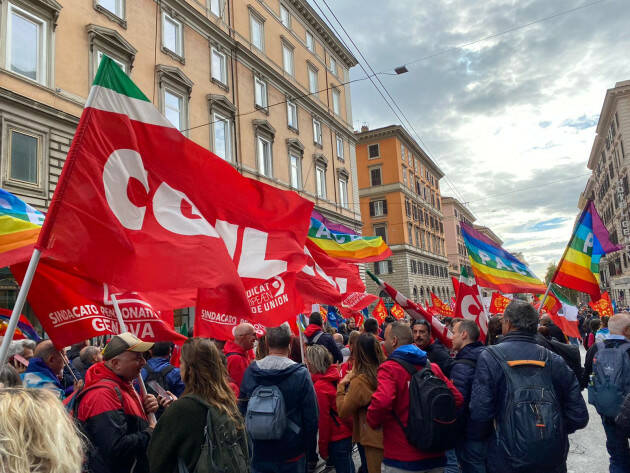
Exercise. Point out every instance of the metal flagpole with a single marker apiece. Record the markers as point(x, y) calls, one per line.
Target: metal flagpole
point(302, 346)
point(123, 328)
point(19, 305)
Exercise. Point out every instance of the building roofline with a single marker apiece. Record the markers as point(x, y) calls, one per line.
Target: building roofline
point(492, 235)
point(400, 132)
point(620, 89)
point(331, 39)
point(462, 208)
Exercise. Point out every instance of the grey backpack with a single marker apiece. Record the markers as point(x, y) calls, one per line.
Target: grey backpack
point(610, 381)
point(266, 417)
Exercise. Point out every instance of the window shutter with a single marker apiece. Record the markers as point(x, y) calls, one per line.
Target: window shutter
point(384, 207)
point(376, 268)
point(390, 266)
point(371, 209)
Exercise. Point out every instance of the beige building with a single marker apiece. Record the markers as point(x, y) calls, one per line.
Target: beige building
point(261, 84)
point(399, 188)
point(608, 188)
point(454, 213)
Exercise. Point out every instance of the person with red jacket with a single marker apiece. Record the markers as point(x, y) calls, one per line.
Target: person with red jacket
point(392, 396)
point(237, 352)
point(335, 433)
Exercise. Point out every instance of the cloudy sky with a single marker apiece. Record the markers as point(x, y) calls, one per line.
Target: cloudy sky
point(510, 120)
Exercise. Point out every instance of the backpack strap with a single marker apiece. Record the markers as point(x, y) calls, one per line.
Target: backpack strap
point(149, 369)
point(104, 383)
point(412, 370)
point(207, 432)
point(317, 337)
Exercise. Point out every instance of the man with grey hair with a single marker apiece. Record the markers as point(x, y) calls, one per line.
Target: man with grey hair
point(552, 405)
point(607, 375)
point(45, 369)
point(87, 357)
point(239, 351)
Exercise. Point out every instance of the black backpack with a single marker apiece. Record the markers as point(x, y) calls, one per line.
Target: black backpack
point(432, 423)
point(530, 427)
point(157, 376)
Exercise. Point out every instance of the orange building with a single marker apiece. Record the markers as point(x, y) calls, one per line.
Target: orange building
point(400, 199)
point(454, 213)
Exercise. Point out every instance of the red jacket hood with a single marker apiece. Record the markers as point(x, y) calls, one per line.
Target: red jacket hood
point(98, 371)
point(330, 378)
point(311, 330)
point(231, 347)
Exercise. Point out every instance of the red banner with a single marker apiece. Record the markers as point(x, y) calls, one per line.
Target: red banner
point(398, 311)
point(603, 306)
point(469, 306)
point(440, 307)
point(380, 312)
point(72, 309)
point(498, 303)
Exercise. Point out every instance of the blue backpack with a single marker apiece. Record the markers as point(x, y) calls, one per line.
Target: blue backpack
point(529, 428)
point(266, 417)
point(610, 381)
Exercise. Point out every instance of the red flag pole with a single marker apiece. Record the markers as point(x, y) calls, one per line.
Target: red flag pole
point(123, 328)
point(19, 305)
point(542, 301)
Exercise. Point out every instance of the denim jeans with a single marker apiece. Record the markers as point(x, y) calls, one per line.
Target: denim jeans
point(340, 455)
point(617, 446)
point(273, 467)
point(472, 456)
point(452, 465)
point(363, 468)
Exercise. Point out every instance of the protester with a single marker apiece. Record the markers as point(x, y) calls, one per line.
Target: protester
point(551, 405)
point(113, 416)
point(9, 377)
point(237, 352)
point(594, 327)
point(261, 347)
point(23, 349)
point(494, 330)
point(345, 351)
point(335, 434)
point(471, 451)
point(45, 370)
point(75, 350)
point(87, 357)
point(371, 326)
point(179, 434)
point(607, 375)
point(555, 332)
point(277, 373)
point(316, 336)
point(354, 394)
point(436, 352)
point(346, 367)
point(603, 332)
point(389, 407)
point(37, 434)
point(159, 368)
point(296, 349)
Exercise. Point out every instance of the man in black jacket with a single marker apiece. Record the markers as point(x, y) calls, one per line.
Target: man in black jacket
point(554, 330)
point(315, 335)
point(294, 381)
point(436, 352)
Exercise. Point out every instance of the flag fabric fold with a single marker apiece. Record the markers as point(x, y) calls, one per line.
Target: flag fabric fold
point(603, 305)
point(20, 225)
point(440, 307)
point(498, 303)
point(579, 267)
point(24, 328)
point(497, 269)
point(469, 305)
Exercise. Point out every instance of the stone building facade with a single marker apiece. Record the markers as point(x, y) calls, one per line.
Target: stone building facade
point(454, 213)
point(399, 188)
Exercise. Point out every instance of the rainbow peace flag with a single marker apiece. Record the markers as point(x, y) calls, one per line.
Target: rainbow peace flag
point(19, 229)
point(344, 243)
point(579, 267)
point(497, 269)
point(24, 328)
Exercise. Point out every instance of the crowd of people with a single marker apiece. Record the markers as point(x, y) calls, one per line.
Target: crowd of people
point(505, 401)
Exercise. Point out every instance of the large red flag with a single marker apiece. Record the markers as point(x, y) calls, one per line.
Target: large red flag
point(140, 206)
point(440, 307)
point(498, 303)
point(72, 308)
point(469, 306)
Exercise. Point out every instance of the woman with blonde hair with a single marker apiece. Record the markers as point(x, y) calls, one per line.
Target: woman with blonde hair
point(204, 425)
point(354, 393)
point(36, 433)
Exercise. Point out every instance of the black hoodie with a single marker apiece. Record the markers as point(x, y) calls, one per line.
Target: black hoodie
point(295, 383)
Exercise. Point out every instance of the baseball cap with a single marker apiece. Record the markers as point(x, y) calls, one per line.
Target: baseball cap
point(125, 342)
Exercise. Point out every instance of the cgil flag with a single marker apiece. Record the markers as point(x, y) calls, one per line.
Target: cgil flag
point(579, 267)
point(470, 306)
point(344, 243)
point(380, 312)
point(142, 207)
point(440, 307)
point(20, 225)
point(498, 303)
point(603, 305)
point(397, 311)
point(497, 269)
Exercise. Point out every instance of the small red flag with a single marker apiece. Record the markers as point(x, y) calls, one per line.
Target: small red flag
point(380, 312)
point(498, 303)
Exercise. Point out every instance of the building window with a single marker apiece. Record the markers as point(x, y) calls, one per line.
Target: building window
point(285, 16)
point(107, 42)
point(404, 173)
point(24, 152)
point(292, 117)
point(175, 90)
point(414, 269)
point(296, 171)
point(312, 80)
point(172, 34)
point(375, 176)
point(287, 58)
point(215, 7)
point(381, 230)
point(260, 92)
point(339, 148)
point(222, 137)
point(116, 7)
point(99, 58)
point(336, 99)
point(174, 108)
point(333, 65)
point(343, 192)
point(378, 208)
point(310, 42)
point(317, 132)
point(417, 233)
point(320, 181)
point(265, 159)
point(26, 48)
point(408, 207)
point(374, 151)
point(383, 267)
point(257, 31)
point(219, 66)
point(402, 152)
